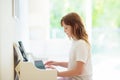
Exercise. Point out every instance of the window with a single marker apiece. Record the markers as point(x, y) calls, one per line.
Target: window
point(105, 39)
point(59, 9)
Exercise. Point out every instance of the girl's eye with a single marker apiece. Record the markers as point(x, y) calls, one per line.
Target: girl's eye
point(65, 28)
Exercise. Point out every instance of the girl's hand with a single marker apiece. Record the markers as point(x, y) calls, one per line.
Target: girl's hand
point(49, 63)
point(50, 66)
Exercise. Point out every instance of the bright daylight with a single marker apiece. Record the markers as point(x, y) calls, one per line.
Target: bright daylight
point(37, 24)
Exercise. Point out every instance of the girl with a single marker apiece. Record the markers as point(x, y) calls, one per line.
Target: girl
point(79, 65)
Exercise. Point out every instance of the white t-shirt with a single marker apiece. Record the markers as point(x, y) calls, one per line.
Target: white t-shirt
point(80, 51)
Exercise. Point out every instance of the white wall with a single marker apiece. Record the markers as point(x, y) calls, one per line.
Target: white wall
point(11, 30)
point(7, 26)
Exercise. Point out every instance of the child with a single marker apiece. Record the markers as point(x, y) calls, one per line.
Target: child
point(79, 65)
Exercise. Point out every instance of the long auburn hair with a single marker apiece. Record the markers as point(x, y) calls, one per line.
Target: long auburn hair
point(78, 28)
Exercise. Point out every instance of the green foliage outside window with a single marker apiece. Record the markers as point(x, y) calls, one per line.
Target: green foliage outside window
point(62, 7)
point(106, 13)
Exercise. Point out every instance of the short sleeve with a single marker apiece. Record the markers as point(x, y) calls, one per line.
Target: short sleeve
point(81, 52)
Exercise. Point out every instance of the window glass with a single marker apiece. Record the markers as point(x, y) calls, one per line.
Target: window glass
point(105, 39)
point(59, 9)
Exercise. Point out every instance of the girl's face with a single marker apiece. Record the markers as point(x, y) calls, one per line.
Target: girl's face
point(67, 29)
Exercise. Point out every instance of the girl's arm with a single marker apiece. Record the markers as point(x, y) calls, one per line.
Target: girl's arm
point(76, 71)
point(63, 64)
